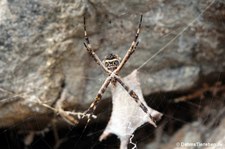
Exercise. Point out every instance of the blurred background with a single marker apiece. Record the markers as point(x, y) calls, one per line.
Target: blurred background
point(180, 59)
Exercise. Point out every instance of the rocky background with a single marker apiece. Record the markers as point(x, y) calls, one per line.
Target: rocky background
point(42, 56)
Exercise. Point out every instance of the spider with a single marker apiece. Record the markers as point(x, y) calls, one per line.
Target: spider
point(112, 65)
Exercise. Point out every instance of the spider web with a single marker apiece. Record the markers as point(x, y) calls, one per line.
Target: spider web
point(126, 115)
point(123, 121)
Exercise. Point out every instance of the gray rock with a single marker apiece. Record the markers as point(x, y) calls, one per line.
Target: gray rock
point(42, 52)
point(190, 136)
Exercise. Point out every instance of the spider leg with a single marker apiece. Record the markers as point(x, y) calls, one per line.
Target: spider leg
point(91, 51)
point(99, 96)
point(135, 97)
point(131, 50)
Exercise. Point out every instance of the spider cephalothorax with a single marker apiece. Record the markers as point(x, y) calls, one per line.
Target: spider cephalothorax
point(111, 61)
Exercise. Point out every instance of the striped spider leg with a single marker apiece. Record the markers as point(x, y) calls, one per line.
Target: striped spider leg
point(112, 65)
point(131, 50)
point(101, 91)
point(91, 51)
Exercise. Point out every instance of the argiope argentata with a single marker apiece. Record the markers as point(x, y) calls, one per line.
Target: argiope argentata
point(112, 66)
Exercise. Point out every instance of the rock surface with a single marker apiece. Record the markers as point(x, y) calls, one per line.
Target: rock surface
point(42, 52)
point(194, 134)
